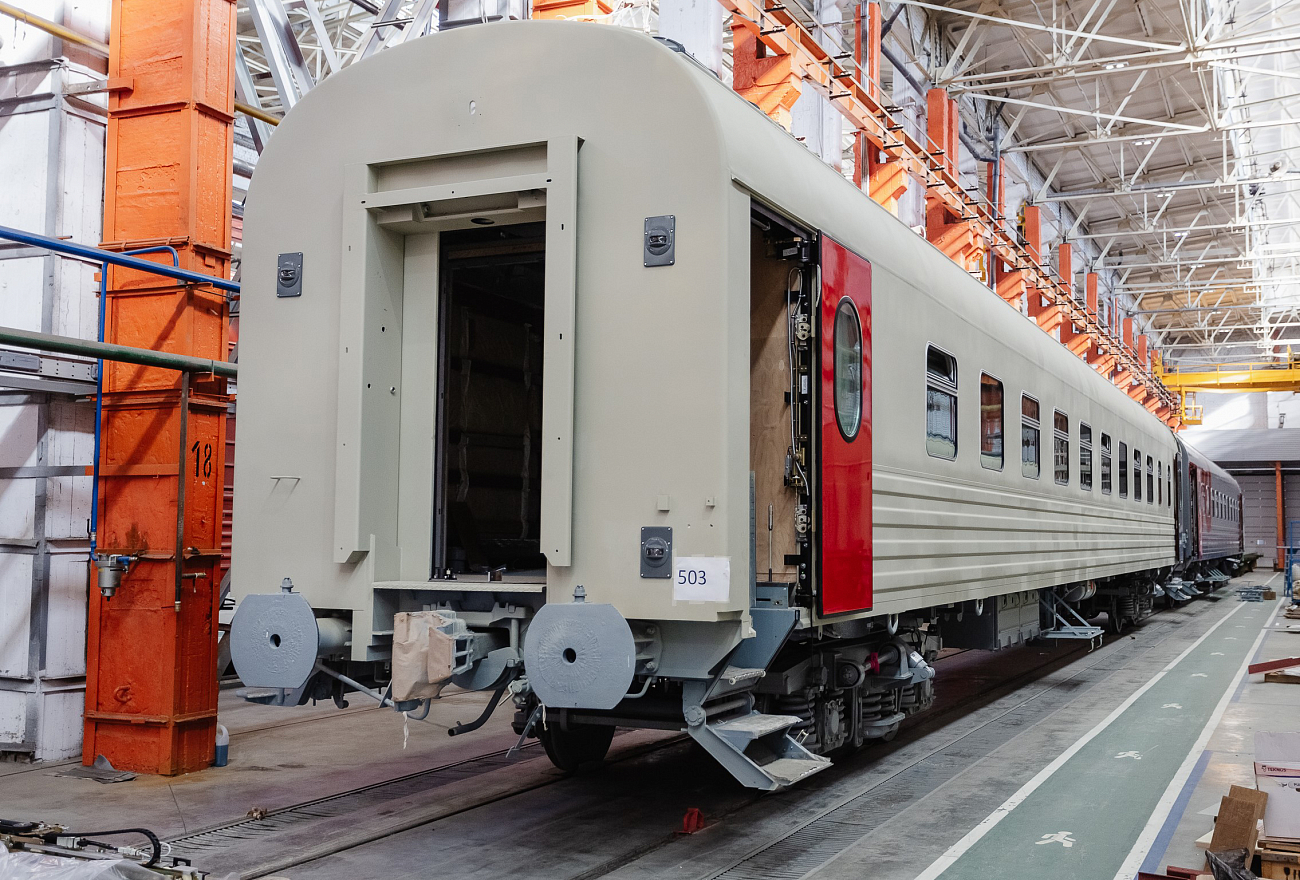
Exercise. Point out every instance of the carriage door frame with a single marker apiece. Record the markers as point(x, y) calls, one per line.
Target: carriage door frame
point(844, 516)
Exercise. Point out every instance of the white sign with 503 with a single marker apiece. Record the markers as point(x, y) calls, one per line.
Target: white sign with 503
point(701, 578)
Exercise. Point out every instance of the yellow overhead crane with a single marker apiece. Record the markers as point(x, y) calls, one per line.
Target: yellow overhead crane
point(1246, 376)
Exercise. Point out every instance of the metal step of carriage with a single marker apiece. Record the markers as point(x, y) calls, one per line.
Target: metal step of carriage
point(758, 750)
point(1067, 623)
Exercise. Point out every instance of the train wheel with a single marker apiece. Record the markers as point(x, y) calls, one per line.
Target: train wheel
point(579, 744)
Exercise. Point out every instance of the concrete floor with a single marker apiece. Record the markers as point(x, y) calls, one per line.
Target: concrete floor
point(1014, 755)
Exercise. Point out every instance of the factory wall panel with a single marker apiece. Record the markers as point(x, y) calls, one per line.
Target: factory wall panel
point(15, 613)
point(1259, 515)
point(52, 163)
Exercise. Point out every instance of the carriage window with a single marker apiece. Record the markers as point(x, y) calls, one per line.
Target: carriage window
point(1160, 483)
point(1029, 461)
point(1061, 447)
point(1105, 464)
point(1123, 470)
point(1151, 483)
point(990, 422)
point(940, 404)
point(1169, 485)
point(1137, 475)
point(1085, 457)
point(848, 369)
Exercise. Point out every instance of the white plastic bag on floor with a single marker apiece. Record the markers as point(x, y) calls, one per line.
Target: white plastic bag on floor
point(37, 866)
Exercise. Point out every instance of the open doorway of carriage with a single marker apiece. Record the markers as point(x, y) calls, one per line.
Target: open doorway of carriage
point(489, 420)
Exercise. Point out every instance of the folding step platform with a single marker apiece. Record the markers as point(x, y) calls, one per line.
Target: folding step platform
point(1067, 622)
point(758, 750)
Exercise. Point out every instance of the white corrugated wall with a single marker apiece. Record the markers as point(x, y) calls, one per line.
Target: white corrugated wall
point(52, 165)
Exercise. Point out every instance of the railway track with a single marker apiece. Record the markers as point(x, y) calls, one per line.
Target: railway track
point(263, 845)
point(842, 804)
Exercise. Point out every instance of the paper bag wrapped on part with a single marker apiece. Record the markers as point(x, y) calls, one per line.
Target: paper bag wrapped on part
point(422, 655)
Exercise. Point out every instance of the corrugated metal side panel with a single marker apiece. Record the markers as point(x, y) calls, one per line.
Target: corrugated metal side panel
point(1290, 502)
point(1259, 515)
point(1247, 444)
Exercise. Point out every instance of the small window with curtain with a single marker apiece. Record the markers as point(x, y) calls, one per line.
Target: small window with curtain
point(1169, 485)
point(1029, 437)
point(1085, 457)
point(1137, 475)
point(1160, 482)
point(1060, 447)
point(1123, 470)
point(848, 369)
point(990, 422)
point(940, 404)
point(1151, 483)
point(1105, 464)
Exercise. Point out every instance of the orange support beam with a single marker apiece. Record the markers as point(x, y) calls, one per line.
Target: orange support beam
point(766, 80)
point(941, 128)
point(1076, 340)
point(1090, 291)
point(1065, 266)
point(1033, 233)
point(570, 8)
point(1012, 286)
point(791, 55)
point(1142, 351)
point(1049, 317)
point(954, 232)
point(151, 687)
point(887, 181)
point(1127, 324)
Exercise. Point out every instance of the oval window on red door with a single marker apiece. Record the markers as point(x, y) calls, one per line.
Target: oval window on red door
point(848, 369)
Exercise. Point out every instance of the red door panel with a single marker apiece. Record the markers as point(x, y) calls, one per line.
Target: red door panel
point(844, 525)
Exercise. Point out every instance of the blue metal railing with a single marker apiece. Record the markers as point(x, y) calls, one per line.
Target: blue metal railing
point(106, 258)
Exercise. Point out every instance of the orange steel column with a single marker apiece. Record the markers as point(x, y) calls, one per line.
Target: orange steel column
point(569, 8)
point(769, 82)
point(886, 179)
point(956, 236)
point(151, 689)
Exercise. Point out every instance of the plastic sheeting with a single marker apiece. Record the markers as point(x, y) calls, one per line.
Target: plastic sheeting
point(39, 866)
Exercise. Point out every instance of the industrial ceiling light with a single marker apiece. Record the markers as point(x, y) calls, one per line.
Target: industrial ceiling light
point(482, 221)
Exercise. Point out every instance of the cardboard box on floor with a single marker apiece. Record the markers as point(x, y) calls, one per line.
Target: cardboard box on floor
point(1277, 774)
point(1237, 826)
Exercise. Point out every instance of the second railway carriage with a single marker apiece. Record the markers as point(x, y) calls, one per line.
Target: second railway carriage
point(578, 381)
point(1209, 519)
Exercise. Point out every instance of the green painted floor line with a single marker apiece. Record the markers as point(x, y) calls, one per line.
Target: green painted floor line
point(1082, 814)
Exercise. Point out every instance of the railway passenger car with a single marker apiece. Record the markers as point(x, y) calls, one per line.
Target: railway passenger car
point(580, 382)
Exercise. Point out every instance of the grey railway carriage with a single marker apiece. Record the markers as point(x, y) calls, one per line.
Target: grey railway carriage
point(578, 381)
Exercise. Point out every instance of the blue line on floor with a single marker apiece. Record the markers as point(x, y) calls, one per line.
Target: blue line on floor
point(1161, 844)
